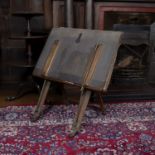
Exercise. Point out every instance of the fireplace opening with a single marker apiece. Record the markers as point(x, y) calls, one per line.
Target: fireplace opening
point(133, 55)
point(135, 61)
point(131, 64)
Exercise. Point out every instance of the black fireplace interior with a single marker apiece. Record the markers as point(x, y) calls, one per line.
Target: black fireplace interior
point(133, 56)
point(131, 75)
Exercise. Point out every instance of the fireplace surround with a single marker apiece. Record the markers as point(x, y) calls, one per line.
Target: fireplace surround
point(133, 76)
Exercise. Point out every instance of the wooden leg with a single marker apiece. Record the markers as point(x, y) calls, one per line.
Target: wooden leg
point(101, 102)
point(84, 99)
point(41, 101)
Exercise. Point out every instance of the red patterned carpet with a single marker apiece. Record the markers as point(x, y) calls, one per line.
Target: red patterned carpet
point(124, 129)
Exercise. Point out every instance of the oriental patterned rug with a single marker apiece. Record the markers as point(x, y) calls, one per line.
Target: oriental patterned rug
point(124, 129)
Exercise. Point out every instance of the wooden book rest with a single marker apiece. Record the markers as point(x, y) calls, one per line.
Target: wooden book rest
point(78, 57)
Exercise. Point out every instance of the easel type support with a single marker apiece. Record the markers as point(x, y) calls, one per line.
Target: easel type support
point(41, 101)
point(59, 59)
point(84, 100)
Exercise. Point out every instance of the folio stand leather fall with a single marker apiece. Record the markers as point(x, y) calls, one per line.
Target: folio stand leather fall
point(80, 57)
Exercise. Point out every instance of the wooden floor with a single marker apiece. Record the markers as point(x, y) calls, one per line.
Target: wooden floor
point(70, 94)
point(27, 99)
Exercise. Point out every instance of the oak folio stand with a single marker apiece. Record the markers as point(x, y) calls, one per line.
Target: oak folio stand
point(28, 85)
point(79, 57)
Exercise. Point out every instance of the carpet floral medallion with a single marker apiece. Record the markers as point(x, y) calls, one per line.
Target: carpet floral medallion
point(123, 129)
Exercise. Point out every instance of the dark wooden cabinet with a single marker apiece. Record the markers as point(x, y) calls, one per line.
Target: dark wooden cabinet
point(14, 49)
point(24, 5)
point(59, 14)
